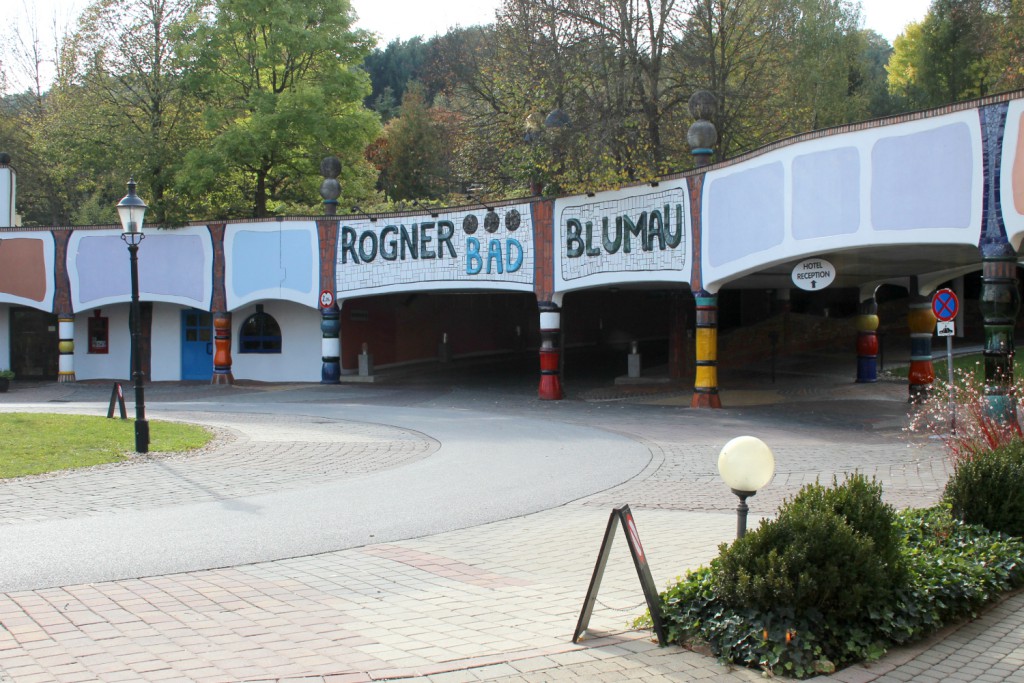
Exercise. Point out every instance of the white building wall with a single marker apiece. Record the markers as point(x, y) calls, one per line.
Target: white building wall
point(5, 337)
point(165, 343)
point(300, 357)
point(115, 363)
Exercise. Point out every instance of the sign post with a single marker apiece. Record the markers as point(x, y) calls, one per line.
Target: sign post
point(945, 306)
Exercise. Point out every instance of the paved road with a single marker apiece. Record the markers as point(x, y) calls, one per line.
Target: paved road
point(419, 532)
point(481, 467)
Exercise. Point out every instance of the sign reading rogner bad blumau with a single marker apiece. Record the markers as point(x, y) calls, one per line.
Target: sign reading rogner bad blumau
point(636, 234)
point(476, 249)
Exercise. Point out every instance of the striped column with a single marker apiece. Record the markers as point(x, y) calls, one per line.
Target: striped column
point(330, 345)
point(867, 341)
point(1000, 304)
point(222, 349)
point(705, 389)
point(66, 347)
point(550, 388)
point(921, 322)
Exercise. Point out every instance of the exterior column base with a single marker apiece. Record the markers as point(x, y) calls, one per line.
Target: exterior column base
point(66, 377)
point(550, 388)
point(706, 399)
point(222, 378)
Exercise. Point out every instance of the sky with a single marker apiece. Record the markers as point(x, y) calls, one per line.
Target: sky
point(404, 19)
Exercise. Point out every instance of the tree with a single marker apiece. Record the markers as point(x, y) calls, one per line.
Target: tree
point(283, 90)
point(418, 149)
point(822, 64)
point(392, 69)
point(129, 68)
point(734, 48)
point(950, 55)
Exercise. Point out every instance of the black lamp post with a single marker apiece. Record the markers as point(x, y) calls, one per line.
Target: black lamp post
point(132, 211)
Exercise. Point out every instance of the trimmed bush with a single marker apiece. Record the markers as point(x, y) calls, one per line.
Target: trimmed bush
point(952, 569)
point(834, 550)
point(988, 489)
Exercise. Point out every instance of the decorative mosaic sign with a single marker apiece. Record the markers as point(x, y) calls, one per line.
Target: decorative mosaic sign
point(641, 232)
point(479, 249)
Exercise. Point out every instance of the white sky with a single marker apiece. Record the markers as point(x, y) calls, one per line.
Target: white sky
point(404, 19)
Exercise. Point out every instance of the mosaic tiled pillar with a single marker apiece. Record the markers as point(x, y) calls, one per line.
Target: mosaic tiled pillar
point(705, 386)
point(221, 316)
point(921, 322)
point(550, 388)
point(66, 347)
point(1000, 304)
point(330, 345)
point(867, 341)
point(222, 349)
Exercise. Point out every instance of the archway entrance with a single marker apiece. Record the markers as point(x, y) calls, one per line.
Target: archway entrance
point(34, 344)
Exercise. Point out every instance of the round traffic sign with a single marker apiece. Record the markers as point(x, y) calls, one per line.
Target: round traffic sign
point(326, 298)
point(945, 305)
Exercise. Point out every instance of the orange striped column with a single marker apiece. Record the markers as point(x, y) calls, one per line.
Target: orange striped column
point(921, 322)
point(550, 388)
point(222, 348)
point(705, 389)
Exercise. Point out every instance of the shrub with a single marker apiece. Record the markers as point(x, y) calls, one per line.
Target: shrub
point(833, 550)
point(951, 569)
point(988, 489)
point(977, 430)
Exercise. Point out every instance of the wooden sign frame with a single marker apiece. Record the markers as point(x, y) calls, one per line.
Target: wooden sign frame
point(622, 516)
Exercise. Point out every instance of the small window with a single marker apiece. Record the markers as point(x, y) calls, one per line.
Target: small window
point(260, 333)
point(99, 335)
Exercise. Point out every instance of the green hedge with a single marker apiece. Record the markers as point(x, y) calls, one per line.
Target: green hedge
point(988, 489)
point(945, 569)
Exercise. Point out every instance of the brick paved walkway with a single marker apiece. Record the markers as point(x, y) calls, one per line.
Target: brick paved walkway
point(497, 601)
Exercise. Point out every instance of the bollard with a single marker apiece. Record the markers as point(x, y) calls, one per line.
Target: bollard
point(633, 361)
point(365, 362)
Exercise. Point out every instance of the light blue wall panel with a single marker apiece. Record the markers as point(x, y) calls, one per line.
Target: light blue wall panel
point(923, 180)
point(746, 213)
point(826, 193)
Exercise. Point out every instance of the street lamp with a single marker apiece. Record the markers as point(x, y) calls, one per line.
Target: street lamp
point(746, 465)
point(132, 210)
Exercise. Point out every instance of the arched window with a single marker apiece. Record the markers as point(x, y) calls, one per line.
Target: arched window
point(260, 333)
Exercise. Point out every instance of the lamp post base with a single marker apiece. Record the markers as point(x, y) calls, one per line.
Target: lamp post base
point(741, 512)
point(142, 436)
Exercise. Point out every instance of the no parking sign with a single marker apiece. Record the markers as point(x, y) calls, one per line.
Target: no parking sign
point(945, 305)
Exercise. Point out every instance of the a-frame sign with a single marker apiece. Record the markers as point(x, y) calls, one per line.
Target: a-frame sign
point(624, 517)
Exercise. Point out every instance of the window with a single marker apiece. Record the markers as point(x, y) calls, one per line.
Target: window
point(98, 333)
point(260, 333)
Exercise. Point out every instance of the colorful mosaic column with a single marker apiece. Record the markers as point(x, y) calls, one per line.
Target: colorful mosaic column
point(705, 389)
point(550, 388)
point(1000, 304)
point(222, 349)
point(921, 322)
point(867, 341)
point(66, 360)
point(330, 326)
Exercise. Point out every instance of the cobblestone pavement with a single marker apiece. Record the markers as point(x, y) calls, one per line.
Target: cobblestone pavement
point(495, 602)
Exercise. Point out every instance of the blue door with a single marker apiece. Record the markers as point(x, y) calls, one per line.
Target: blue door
point(196, 344)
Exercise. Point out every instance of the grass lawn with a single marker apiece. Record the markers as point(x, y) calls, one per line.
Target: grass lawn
point(974, 362)
point(34, 443)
